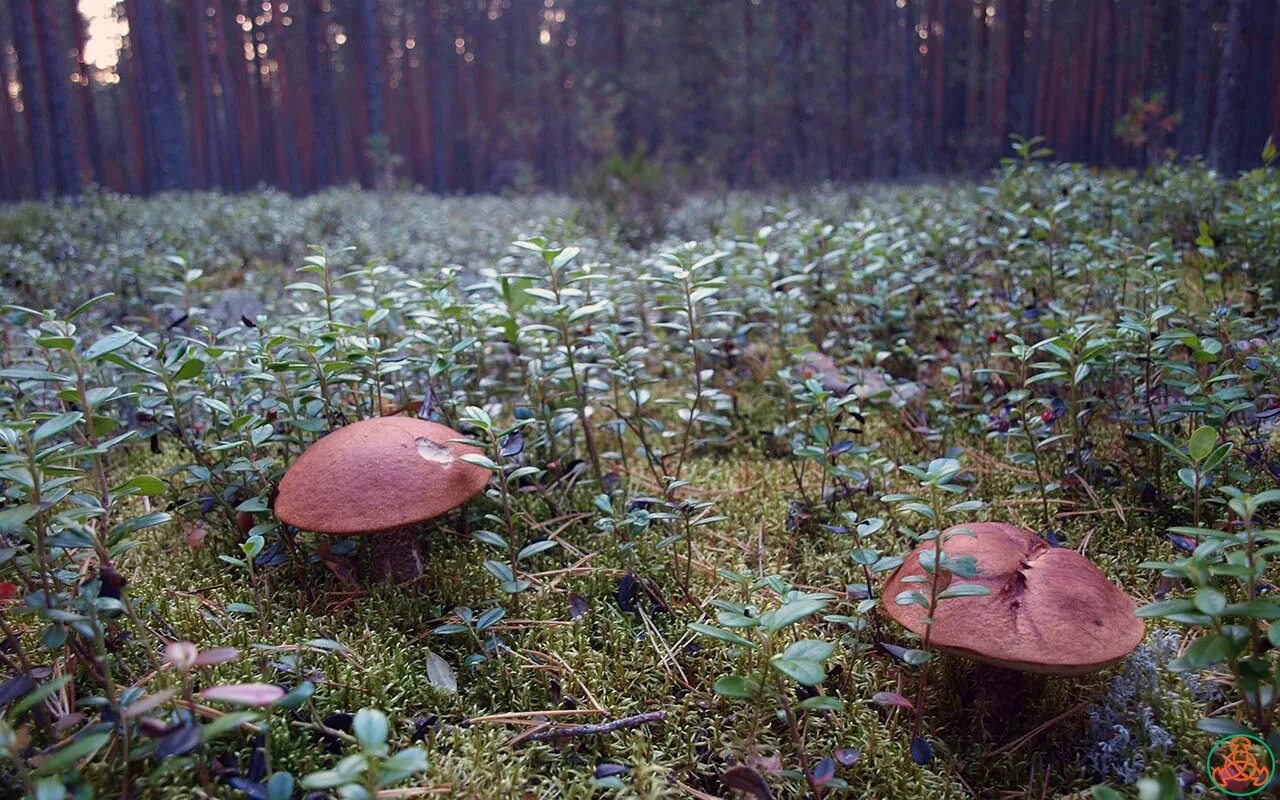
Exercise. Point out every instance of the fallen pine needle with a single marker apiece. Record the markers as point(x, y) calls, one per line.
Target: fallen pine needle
point(592, 730)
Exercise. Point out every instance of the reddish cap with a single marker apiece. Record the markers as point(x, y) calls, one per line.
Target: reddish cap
point(1050, 609)
point(378, 474)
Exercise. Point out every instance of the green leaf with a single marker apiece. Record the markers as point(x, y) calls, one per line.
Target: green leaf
point(189, 369)
point(299, 695)
point(1218, 726)
point(1209, 649)
point(50, 789)
point(38, 695)
point(721, 634)
point(804, 671)
point(1101, 792)
point(732, 619)
point(13, 518)
point(736, 686)
point(1210, 601)
point(1215, 458)
point(479, 460)
point(528, 551)
point(145, 485)
point(280, 786)
point(813, 649)
point(69, 755)
point(1202, 443)
point(490, 618)
point(23, 374)
point(499, 570)
point(88, 304)
point(588, 310)
point(912, 597)
point(791, 613)
point(401, 766)
point(865, 556)
point(109, 344)
point(823, 702)
point(964, 590)
point(52, 427)
point(916, 657)
point(1164, 608)
point(490, 538)
point(565, 257)
point(371, 730)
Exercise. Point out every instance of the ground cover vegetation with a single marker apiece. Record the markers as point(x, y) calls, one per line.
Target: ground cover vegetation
point(708, 450)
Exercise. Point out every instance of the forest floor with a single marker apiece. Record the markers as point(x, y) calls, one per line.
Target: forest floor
point(922, 290)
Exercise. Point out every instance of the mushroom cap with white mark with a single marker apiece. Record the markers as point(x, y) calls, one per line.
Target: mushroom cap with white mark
point(1050, 609)
point(376, 475)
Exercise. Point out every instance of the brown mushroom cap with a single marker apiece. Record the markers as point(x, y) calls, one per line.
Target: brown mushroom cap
point(1050, 609)
point(376, 475)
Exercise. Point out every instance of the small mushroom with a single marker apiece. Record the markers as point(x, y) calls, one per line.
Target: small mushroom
point(1050, 609)
point(380, 478)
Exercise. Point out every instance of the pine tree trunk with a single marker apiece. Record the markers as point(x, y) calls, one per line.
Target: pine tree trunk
point(206, 125)
point(88, 114)
point(231, 123)
point(1228, 119)
point(11, 169)
point(1015, 114)
point(907, 92)
point(374, 92)
point(432, 59)
point(33, 99)
point(328, 165)
point(1205, 83)
point(1262, 62)
point(160, 82)
point(66, 167)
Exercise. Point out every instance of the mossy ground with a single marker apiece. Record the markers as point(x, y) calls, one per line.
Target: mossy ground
point(992, 738)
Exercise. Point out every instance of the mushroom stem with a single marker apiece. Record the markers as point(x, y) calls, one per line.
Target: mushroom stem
point(394, 555)
point(998, 696)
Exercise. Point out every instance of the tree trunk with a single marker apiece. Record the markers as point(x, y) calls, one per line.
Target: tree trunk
point(160, 83)
point(1107, 90)
point(374, 92)
point(1228, 119)
point(1206, 55)
point(327, 168)
point(206, 124)
point(12, 169)
point(955, 26)
point(432, 45)
point(1262, 62)
point(33, 99)
point(848, 136)
point(232, 130)
point(910, 43)
point(1189, 58)
point(88, 115)
point(1015, 111)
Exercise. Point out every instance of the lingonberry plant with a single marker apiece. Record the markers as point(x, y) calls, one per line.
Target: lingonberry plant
point(1095, 353)
point(938, 485)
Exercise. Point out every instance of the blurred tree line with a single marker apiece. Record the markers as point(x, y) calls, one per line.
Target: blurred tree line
point(489, 95)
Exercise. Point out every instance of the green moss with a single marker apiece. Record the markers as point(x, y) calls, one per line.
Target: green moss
point(628, 663)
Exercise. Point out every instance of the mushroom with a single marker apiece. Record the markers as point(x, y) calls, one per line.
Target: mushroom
point(1050, 609)
point(380, 478)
